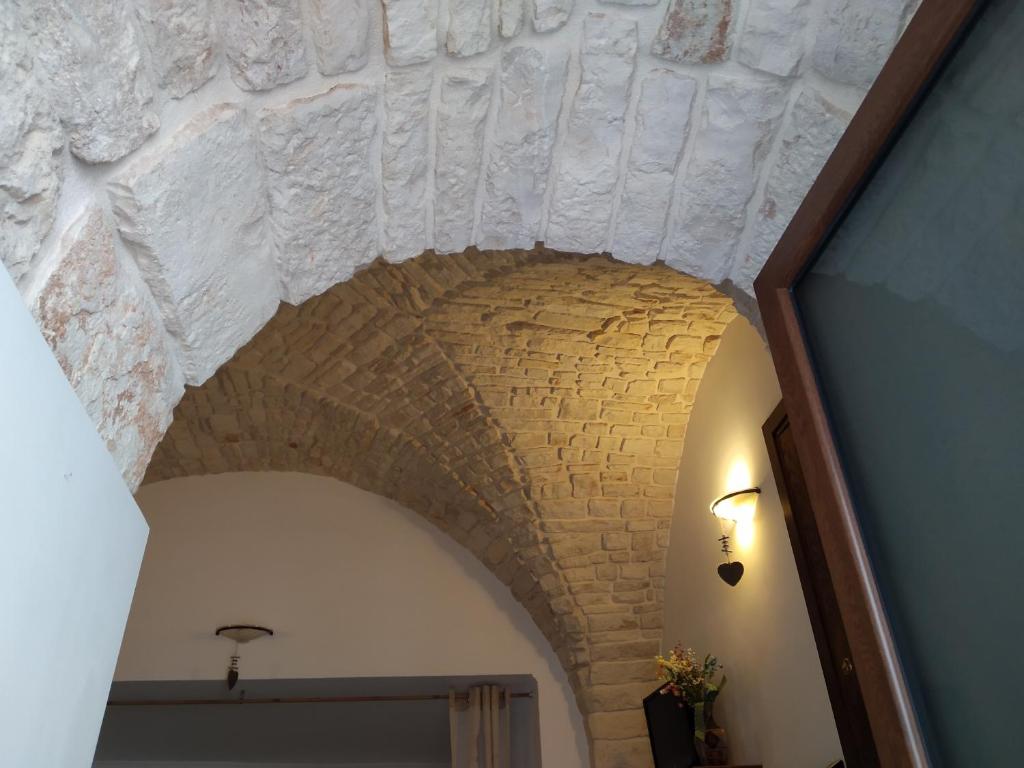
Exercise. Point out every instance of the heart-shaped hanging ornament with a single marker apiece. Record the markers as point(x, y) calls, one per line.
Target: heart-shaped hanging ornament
point(731, 573)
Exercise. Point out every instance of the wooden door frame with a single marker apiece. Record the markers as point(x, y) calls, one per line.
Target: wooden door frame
point(930, 37)
point(796, 510)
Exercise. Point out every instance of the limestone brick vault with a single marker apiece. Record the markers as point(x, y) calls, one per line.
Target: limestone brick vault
point(532, 405)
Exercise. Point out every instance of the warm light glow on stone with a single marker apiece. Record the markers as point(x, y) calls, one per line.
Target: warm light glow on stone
point(532, 405)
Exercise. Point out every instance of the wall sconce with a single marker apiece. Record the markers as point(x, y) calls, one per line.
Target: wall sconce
point(240, 633)
point(738, 508)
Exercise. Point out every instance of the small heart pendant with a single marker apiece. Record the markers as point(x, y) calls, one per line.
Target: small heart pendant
point(731, 573)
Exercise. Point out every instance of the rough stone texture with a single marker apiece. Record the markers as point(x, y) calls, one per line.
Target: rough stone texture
point(621, 725)
point(264, 42)
point(469, 27)
point(323, 190)
point(662, 125)
point(532, 83)
point(515, 205)
point(410, 31)
point(628, 753)
point(549, 15)
point(461, 116)
point(30, 144)
point(105, 332)
point(855, 37)
point(588, 169)
point(813, 130)
point(404, 162)
point(341, 34)
point(182, 42)
point(740, 118)
point(209, 264)
point(694, 31)
point(91, 54)
point(510, 17)
point(532, 405)
point(634, 3)
point(773, 36)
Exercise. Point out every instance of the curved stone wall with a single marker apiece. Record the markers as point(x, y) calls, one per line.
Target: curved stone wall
point(532, 405)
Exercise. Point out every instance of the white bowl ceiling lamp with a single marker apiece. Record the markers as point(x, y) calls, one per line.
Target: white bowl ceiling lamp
point(240, 633)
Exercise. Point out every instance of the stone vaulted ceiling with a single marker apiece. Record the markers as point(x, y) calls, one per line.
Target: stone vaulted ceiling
point(532, 405)
point(171, 171)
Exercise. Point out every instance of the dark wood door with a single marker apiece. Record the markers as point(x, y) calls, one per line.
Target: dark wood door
point(929, 41)
point(822, 607)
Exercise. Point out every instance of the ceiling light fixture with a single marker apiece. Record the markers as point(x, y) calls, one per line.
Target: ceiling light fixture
point(240, 633)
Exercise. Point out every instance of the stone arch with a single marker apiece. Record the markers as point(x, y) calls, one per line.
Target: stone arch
point(171, 171)
point(532, 405)
point(240, 159)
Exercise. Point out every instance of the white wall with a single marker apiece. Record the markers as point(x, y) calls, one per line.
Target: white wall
point(775, 706)
point(352, 584)
point(71, 539)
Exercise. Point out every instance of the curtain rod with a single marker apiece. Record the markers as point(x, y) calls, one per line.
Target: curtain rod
point(294, 700)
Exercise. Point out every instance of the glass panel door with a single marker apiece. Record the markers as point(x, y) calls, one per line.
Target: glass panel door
point(914, 316)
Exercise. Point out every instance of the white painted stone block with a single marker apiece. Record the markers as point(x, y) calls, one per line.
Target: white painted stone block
point(510, 17)
point(740, 117)
point(182, 42)
point(410, 31)
point(323, 190)
point(532, 83)
point(773, 36)
point(469, 27)
point(855, 37)
point(549, 15)
point(808, 139)
point(31, 141)
point(588, 166)
point(106, 333)
point(264, 42)
point(404, 163)
point(92, 55)
point(341, 33)
point(695, 31)
point(193, 212)
point(461, 115)
point(634, 3)
point(662, 125)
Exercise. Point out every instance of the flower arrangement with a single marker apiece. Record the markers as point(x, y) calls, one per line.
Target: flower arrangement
point(692, 681)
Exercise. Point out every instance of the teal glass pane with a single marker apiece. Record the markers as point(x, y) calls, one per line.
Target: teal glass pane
point(914, 315)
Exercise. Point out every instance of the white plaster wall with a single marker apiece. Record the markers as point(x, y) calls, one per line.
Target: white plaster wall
point(352, 584)
point(71, 539)
point(775, 706)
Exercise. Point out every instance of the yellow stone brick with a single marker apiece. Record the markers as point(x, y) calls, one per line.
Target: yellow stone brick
point(484, 390)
